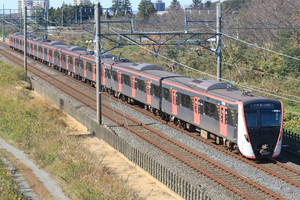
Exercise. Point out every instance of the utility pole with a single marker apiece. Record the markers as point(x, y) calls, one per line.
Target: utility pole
point(219, 50)
point(3, 35)
point(25, 39)
point(62, 17)
point(46, 23)
point(98, 62)
point(20, 20)
point(236, 12)
point(80, 15)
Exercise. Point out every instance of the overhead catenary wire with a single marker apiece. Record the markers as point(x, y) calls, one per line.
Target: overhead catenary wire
point(207, 74)
point(204, 73)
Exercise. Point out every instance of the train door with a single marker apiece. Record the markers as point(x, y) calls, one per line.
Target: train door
point(197, 110)
point(48, 55)
point(74, 64)
point(120, 81)
point(103, 75)
point(67, 62)
point(223, 120)
point(37, 50)
point(60, 61)
point(84, 68)
point(132, 86)
point(94, 71)
point(174, 102)
point(148, 87)
point(53, 56)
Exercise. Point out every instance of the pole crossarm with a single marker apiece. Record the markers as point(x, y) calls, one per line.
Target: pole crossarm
point(159, 39)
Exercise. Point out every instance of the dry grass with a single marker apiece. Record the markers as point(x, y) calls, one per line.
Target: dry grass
point(39, 128)
point(8, 187)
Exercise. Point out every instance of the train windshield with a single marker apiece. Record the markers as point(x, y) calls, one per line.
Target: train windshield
point(251, 118)
point(263, 115)
point(270, 118)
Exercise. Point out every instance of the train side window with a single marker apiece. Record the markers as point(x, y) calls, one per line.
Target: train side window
point(89, 66)
point(70, 60)
point(126, 79)
point(155, 90)
point(185, 100)
point(56, 55)
point(210, 110)
point(166, 94)
point(41, 50)
point(107, 73)
point(230, 117)
point(114, 75)
point(50, 52)
point(79, 63)
point(141, 85)
point(63, 57)
point(201, 107)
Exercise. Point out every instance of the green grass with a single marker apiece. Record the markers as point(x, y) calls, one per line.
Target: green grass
point(292, 108)
point(292, 121)
point(38, 128)
point(8, 186)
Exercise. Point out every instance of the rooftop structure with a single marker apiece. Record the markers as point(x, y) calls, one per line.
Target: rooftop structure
point(81, 2)
point(159, 5)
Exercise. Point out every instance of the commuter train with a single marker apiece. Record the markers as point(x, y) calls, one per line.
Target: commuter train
point(239, 120)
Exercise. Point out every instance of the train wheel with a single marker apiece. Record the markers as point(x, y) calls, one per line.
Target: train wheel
point(156, 113)
point(123, 98)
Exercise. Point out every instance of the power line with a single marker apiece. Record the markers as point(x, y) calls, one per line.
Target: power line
point(192, 69)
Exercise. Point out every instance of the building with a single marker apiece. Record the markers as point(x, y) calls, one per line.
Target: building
point(32, 4)
point(159, 5)
point(81, 2)
point(40, 3)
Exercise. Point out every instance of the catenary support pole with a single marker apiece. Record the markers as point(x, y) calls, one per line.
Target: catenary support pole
point(3, 20)
point(21, 21)
point(25, 39)
point(98, 62)
point(46, 23)
point(219, 50)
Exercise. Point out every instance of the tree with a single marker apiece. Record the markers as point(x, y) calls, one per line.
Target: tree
point(196, 3)
point(208, 4)
point(116, 5)
point(121, 7)
point(146, 8)
point(126, 6)
point(175, 5)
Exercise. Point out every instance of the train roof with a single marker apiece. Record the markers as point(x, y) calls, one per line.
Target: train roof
point(210, 87)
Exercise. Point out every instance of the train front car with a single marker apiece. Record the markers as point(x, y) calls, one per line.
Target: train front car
point(260, 128)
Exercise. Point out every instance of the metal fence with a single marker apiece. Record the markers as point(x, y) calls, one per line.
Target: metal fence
point(291, 141)
point(173, 181)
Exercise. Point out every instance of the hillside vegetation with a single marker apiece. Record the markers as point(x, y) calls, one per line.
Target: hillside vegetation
point(38, 128)
point(8, 186)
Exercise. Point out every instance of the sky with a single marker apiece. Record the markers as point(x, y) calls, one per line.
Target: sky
point(13, 4)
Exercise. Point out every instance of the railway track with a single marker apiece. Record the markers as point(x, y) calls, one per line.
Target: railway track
point(187, 156)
